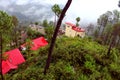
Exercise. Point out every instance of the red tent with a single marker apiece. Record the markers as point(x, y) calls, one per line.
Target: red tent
point(40, 41)
point(6, 66)
point(37, 43)
point(15, 57)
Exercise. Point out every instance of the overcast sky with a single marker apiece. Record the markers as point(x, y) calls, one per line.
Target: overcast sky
point(87, 10)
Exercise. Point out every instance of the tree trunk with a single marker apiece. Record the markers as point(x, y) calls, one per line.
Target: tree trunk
point(118, 42)
point(55, 35)
point(1, 57)
point(111, 44)
point(102, 33)
point(106, 38)
point(55, 20)
point(16, 40)
point(99, 31)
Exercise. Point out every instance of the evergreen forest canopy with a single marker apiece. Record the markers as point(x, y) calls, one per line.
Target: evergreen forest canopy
point(94, 57)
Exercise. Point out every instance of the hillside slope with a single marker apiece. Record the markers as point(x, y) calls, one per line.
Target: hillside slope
point(72, 59)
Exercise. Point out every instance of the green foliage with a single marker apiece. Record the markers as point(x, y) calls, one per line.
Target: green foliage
point(6, 27)
point(72, 59)
point(36, 23)
point(5, 22)
point(83, 77)
point(90, 62)
point(45, 23)
point(33, 34)
point(77, 21)
point(56, 9)
point(107, 27)
point(96, 33)
point(49, 32)
point(15, 21)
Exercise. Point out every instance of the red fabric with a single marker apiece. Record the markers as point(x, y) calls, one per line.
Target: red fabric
point(37, 43)
point(15, 57)
point(40, 41)
point(11, 66)
point(6, 66)
point(34, 46)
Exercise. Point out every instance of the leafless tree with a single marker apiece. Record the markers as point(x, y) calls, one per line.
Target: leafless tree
point(55, 35)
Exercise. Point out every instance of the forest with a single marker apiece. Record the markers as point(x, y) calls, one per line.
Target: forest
point(94, 57)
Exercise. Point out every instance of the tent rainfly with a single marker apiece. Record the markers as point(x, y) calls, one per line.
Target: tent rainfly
point(36, 43)
point(15, 57)
point(13, 60)
point(6, 66)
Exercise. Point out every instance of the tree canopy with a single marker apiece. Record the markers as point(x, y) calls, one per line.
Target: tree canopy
point(56, 9)
point(5, 27)
point(77, 21)
point(5, 22)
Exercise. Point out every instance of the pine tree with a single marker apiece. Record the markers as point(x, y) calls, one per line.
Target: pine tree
point(5, 27)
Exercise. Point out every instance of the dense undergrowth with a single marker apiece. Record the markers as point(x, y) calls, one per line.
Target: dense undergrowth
point(72, 59)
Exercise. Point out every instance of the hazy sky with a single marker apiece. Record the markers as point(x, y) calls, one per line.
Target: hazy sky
point(87, 10)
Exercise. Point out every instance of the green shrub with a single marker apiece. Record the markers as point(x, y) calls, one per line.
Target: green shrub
point(72, 59)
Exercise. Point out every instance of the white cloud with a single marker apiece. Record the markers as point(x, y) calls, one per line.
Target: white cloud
point(4, 3)
point(88, 10)
point(30, 11)
point(22, 2)
point(55, 1)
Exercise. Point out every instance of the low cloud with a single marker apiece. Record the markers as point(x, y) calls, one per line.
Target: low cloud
point(27, 10)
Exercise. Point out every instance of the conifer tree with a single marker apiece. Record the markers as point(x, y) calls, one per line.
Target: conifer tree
point(5, 27)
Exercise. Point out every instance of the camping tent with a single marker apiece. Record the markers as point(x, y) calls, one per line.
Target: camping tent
point(13, 60)
point(36, 43)
point(6, 66)
point(15, 57)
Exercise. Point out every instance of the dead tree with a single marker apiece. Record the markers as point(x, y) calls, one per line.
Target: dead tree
point(55, 35)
